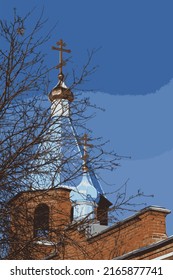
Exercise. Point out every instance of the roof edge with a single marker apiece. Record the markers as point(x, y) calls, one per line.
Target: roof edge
point(146, 248)
point(128, 219)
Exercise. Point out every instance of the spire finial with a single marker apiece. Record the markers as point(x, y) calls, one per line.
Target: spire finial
point(61, 44)
point(85, 154)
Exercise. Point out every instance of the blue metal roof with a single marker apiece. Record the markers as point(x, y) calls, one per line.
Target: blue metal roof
point(59, 159)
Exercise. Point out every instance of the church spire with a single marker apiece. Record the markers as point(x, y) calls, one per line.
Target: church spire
point(60, 151)
point(60, 91)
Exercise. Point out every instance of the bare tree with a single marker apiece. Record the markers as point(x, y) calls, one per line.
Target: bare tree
point(31, 155)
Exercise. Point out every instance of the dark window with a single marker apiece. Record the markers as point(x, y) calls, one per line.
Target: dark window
point(41, 221)
point(72, 214)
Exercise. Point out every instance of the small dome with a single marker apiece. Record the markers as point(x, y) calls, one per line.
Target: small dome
point(60, 91)
point(85, 191)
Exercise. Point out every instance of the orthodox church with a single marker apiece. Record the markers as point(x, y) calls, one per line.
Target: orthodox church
point(57, 219)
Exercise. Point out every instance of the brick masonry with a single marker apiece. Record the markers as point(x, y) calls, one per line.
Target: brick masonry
point(141, 236)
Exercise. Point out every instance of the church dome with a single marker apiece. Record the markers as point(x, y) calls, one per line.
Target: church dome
point(60, 91)
point(85, 191)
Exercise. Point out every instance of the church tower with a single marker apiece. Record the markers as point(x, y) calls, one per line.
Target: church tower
point(60, 220)
point(45, 215)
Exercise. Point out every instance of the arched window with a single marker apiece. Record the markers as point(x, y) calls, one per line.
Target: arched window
point(41, 221)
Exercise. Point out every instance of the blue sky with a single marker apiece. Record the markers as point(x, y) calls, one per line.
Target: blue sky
point(133, 82)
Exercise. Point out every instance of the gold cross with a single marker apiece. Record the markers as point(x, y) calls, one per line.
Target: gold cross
point(85, 155)
point(61, 44)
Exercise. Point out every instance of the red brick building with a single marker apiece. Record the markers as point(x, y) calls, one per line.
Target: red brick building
point(141, 236)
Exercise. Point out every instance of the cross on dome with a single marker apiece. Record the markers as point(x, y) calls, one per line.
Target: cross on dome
point(61, 91)
point(85, 154)
point(61, 44)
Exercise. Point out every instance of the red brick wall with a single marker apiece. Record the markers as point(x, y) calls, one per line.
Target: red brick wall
point(139, 231)
point(142, 229)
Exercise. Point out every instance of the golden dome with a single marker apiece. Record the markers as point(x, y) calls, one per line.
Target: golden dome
point(60, 91)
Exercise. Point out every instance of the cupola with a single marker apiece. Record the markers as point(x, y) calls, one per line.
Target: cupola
point(61, 91)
